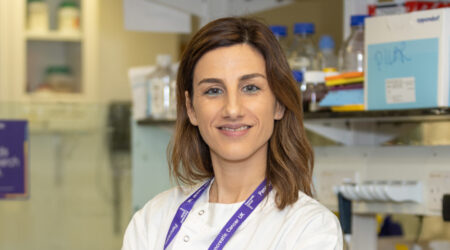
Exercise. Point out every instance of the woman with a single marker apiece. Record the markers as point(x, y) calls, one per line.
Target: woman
point(239, 139)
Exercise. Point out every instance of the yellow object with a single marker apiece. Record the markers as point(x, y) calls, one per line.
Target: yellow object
point(346, 108)
point(329, 70)
point(343, 81)
point(401, 247)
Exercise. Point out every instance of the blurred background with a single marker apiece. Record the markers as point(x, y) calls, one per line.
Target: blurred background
point(92, 81)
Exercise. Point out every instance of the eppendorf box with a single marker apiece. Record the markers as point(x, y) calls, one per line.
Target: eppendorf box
point(407, 60)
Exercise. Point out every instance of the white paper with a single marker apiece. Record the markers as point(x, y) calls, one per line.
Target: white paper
point(400, 90)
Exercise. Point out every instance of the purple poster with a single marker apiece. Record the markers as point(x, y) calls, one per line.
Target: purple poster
point(13, 159)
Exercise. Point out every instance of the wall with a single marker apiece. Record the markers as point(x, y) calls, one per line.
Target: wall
point(326, 14)
point(121, 49)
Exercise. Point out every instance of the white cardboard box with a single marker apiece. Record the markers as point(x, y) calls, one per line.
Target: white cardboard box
point(407, 60)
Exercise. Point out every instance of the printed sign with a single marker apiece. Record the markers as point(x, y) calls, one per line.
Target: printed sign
point(13, 159)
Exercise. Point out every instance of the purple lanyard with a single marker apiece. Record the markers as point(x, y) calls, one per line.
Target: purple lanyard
point(232, 225)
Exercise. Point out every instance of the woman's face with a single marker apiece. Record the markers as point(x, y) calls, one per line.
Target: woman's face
point(233, 105)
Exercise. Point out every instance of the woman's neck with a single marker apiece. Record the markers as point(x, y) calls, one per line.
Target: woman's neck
point(235, 181)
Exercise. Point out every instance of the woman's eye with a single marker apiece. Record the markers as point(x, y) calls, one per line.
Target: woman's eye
point(251, 89)
point(213, 91)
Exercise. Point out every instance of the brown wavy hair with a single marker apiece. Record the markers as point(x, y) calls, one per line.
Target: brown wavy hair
point(290, 157)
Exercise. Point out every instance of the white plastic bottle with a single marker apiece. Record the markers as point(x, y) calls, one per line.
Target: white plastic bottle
point(69, 17)
point(303, 51)
point(327, 57)
point(280, 33)
point(159, 88)
point(37, 19)
point(353, 49)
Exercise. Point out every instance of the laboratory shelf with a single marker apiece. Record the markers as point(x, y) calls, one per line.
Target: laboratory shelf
point(54, 36)
point(151, 121)
point(408, 115)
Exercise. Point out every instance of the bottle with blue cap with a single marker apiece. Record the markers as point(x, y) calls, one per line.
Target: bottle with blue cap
point(352, 53)
point(303, 55)
point(280, 33)
point(327, 58)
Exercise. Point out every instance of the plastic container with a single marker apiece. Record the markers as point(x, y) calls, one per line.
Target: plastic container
point(315, 90)
point(353, 49)
point(280, 33)
point(37, 19)
point(69, 17)
point(160, 85)
point(327, 57)
point(59, 79)
point(303, 52)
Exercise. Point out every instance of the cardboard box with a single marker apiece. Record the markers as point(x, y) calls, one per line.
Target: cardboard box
point(407, 60)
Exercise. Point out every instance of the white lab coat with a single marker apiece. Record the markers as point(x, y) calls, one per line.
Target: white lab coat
point(305, 225)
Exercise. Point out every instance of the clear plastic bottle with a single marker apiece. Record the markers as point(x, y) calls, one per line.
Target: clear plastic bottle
point(315, 90)
point(353, 49)
point(303, 51)
point(327, 58)
point(280, 33)
point(159, 88)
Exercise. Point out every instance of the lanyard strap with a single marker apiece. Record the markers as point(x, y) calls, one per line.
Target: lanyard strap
point(233, 223)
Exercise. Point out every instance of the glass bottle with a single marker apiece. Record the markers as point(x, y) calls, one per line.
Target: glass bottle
point(159, 88)
point(353, 49)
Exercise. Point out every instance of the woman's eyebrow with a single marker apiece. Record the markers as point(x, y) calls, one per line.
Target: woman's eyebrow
point(250, 76)
point(210, 80)
point(242, 78)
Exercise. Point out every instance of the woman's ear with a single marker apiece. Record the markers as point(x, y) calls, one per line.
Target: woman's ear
point(279, 111)
point(190, 109)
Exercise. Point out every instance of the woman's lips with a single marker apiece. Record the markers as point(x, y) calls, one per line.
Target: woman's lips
point(234, 130)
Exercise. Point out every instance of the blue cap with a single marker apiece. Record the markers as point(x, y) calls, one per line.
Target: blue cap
point(279, 30)
point(357, 20)
point(326, 42)
point(298, 75)
point(304, 28)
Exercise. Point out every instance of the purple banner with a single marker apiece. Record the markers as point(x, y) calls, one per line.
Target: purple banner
point(13, 159)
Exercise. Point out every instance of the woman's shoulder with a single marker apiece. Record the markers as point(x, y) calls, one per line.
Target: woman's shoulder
point(308, 205)
point(307, 208)
point(313, 225)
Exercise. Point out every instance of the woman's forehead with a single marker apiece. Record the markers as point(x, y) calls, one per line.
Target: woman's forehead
point(232, 60)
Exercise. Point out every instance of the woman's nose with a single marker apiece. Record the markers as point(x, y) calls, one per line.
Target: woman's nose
point(233, 106)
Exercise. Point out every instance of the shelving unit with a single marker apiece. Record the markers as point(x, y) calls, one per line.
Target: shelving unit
point(32, 52)
point(54, 36)
point(433, 114)
point(26, 55)
point(411, 115)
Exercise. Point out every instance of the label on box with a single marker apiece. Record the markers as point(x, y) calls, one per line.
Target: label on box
point(400, 90)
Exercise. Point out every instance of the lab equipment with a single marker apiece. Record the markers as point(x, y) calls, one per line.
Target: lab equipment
point(280, 33)
point(161, 83)
point(69, 17)
point(315, 90)
point(353, 48)
point(59, 79)
point(407, 66)
point(303, 51)
point(37, 16)
point(327, 58)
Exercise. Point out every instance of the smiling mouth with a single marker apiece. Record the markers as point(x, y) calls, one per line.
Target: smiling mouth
point(241, 128)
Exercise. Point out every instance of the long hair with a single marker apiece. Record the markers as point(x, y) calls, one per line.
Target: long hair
point(290, 157)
